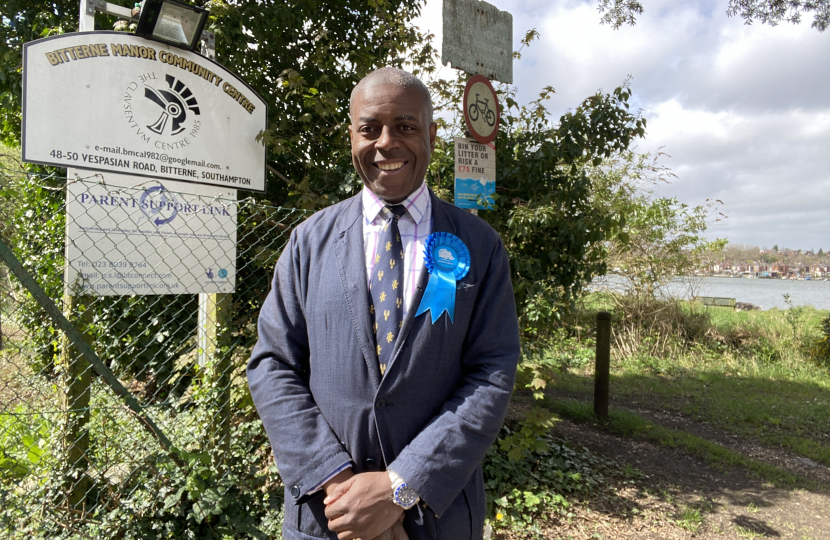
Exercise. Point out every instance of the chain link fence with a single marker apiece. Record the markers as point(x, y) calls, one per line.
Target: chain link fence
point(150, 432)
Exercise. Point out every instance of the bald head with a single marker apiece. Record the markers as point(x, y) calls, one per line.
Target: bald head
point(392, 76)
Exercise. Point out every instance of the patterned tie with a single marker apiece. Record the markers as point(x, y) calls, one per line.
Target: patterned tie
point(387, 285)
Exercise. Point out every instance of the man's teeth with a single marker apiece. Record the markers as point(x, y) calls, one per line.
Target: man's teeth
point(389, 166)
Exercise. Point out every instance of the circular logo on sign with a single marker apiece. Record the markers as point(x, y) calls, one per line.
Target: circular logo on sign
point(223, 274)
point(159, 205)
point(162, 110)
point(481, 109)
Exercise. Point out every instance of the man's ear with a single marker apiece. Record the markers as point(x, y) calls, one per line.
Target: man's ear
point(433, 131)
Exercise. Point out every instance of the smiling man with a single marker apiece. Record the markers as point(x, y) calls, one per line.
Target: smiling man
point(380, 390)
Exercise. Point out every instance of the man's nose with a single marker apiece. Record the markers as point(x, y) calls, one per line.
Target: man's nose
point(387, 139)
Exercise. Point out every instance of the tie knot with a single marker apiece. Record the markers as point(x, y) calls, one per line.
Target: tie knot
point(397, 210)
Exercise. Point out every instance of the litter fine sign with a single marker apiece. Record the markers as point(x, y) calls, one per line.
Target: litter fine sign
point(475, 174)
point(110, 101)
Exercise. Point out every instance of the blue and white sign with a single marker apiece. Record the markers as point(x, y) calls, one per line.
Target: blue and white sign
point(475, 173)
point(128, 235)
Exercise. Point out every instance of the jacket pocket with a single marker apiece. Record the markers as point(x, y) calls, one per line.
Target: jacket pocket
point(466, 291)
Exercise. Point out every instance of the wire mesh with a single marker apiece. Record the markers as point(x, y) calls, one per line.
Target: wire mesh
point(124, 267)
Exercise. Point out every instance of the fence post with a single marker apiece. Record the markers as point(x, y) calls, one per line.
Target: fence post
point(603, 365)
point(214, 354)
point(75, 401)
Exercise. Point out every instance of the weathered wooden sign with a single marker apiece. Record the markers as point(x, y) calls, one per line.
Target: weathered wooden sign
point(478, 38)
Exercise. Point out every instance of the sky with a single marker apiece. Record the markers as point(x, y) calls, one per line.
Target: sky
point(742, 112)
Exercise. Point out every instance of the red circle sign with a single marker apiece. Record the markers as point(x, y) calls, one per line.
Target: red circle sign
point(481, 109)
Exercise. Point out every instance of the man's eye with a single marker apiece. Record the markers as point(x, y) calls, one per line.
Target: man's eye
point(367, 129)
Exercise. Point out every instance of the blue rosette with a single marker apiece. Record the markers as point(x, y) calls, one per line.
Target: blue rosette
point(447, 260)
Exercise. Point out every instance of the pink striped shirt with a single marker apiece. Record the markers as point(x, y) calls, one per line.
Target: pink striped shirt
point(415, 226)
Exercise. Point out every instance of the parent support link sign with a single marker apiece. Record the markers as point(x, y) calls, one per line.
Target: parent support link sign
point(110, 101)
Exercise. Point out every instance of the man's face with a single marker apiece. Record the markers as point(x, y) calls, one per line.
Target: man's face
point(392, 139)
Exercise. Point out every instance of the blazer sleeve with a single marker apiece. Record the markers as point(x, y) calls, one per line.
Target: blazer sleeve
point(439, 462)
point(278, 378)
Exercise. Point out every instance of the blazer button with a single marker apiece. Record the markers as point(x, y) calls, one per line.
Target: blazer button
point(369, 463)
point(295, 492)
point(381, 403)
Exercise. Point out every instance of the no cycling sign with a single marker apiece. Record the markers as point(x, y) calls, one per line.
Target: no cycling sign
point(481, 109)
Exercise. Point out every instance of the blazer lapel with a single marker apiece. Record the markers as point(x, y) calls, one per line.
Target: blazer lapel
point(440, 223)
point(351, 265)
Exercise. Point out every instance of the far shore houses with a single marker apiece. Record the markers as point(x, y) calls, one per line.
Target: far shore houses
point(764, 270)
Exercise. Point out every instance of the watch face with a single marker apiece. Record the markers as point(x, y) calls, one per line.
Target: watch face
point(405, 496)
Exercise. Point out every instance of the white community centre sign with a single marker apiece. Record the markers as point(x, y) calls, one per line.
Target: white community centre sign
point(115, 102)
point(128, 235)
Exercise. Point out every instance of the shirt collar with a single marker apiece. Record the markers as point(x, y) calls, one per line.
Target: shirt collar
point(417, 204)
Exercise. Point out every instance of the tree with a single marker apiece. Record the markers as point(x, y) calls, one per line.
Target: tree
point(771, 12)
point(301, 56)
point(660, 237)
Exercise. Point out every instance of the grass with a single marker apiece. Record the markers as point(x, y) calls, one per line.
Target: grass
point(690, 518)
point(746, 373)
point(627, 424)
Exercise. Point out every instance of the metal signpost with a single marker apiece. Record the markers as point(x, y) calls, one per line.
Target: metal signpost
point(478, 39)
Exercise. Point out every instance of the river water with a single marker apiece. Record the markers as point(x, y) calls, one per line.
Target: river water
point(766, 293)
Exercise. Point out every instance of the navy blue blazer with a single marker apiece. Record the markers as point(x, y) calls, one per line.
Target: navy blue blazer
point(315, 380)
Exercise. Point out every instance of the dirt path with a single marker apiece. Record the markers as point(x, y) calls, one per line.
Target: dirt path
point(681, 496)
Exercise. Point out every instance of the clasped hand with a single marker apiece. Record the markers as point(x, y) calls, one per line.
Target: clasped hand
point(359, 506)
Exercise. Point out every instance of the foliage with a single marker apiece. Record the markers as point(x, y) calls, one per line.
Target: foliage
point(661, 238)
point(619, 12)
point(772, 12)
point(538, 483)
point(821, 347)
point(543, 207)
point(209, 501)
point(136, 492)
point(23, 436)
point(748, 373)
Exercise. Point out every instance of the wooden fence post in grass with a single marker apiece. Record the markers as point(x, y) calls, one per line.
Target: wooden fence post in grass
point(603, 365)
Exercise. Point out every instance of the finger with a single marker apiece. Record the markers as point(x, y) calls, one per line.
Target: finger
point(338, 491)
point(398, 532)
point(334, 511)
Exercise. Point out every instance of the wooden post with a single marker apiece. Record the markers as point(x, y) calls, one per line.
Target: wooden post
point(603, 365)
point(76, 373)
point(214, 318)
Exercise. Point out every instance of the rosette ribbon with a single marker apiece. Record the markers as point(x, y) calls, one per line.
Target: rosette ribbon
point(447, 260)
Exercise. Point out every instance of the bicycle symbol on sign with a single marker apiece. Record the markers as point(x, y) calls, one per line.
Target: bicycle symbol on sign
point(476, 108)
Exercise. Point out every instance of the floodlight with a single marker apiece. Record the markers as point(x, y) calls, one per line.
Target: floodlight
point(172, 22)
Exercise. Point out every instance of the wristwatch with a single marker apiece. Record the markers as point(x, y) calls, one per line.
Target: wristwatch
point(402, 495)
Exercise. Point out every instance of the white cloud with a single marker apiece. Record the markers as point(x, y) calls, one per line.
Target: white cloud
point(743, 111)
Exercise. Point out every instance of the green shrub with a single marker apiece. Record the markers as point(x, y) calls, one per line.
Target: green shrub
point(821, 348)
point(521, 491)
